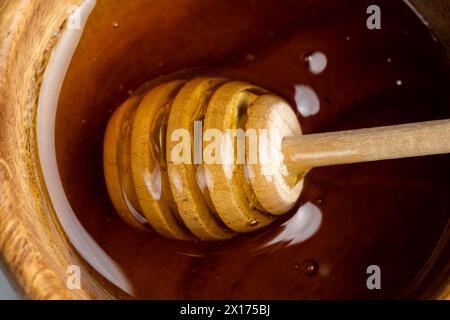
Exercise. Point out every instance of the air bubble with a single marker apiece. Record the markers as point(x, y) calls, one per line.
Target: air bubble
point(310, 267)
point(315, 61)
point(250, 57)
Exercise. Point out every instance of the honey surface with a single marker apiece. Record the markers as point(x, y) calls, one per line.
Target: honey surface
point(387, 213)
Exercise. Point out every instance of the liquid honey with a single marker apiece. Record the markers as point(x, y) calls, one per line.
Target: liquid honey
point(337, 74)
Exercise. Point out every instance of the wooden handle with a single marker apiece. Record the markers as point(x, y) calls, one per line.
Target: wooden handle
point(380, 143)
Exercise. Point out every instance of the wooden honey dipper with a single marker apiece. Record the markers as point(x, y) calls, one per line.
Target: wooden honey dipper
point(214, 200)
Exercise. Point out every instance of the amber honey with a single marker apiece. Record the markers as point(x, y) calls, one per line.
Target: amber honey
point(392, 214)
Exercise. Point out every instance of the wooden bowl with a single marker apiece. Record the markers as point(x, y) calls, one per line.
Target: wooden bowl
point(32, 243)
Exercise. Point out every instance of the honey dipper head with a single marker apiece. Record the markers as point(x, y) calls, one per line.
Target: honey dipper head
point(201, 158)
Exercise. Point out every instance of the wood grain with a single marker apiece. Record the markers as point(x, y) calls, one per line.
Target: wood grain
point(371, 144)
point(35, 252)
